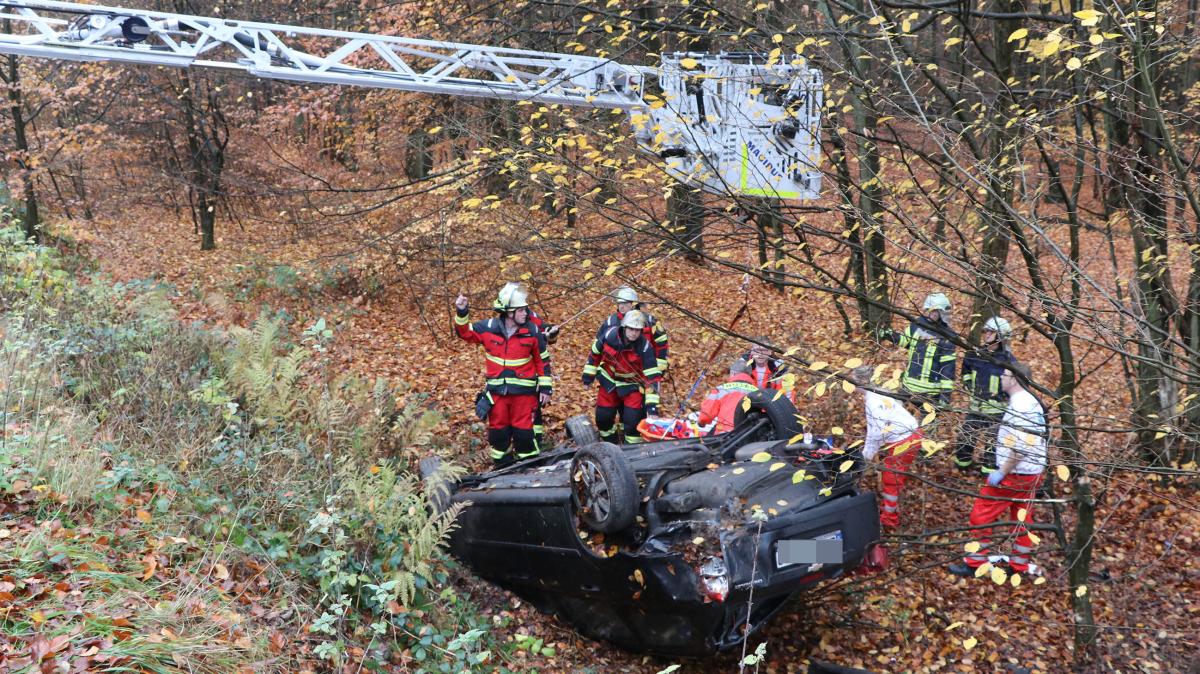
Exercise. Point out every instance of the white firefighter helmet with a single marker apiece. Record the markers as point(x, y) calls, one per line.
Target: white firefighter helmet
point(999, 326)
point(937, 301)
point(634, 319)
point(512, 296)
point(626, 294)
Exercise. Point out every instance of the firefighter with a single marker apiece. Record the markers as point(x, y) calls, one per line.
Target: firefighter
point(981, 372)
point(550, 332)
point(1020, 464)
point(893, 432)
point(767, 372)
point(625, 363)
point(721, 404)
point(656, 333)
point(929, 376)
point(517, 379)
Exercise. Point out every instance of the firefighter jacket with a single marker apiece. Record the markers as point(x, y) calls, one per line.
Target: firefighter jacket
point(772, 378)
point(624, 366)
point(514, 362)
point(722, 402)
point(931, 356)
point(654, 332)
point(981, 372)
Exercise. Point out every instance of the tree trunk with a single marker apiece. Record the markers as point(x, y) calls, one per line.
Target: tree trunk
point(16, 109)
point(685, 215)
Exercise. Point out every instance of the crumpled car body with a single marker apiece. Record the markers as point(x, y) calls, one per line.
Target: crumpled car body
point(726, 530)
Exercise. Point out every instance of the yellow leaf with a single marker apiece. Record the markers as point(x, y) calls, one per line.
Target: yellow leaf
point(836, 430)
point(1081, 590)
point(1096, 39)
point(1039, 580)
point(738, 471)
point(983, 569)
point(1022, 514)
point(847, 386)
point(969, 643)
point(953, 41)
point(435, 129)
point(776, 38)
point(143, 516)
point(1017, 34)
point(799, 476)
point(875, 20)
point(971, 547)
point(637, 575)
point(852, 363)
point(1033, 538)
point(928, 418)
point(612, 268)
point(1074, 63)
point(1063, 473)
point(845, 466)
point(689, 63)
point(1088, 17)
point(954, 625)
point(1015, 580)
point(777, 466)
point(820, 389)
point(220, 572)
point(37, 617)
point(999, 576)
point(761, 457)
point(697, 540)
point(819, 365)
point(746, 404)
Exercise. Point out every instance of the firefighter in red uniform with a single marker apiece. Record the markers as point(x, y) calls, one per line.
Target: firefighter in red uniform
point(624, 361)
point(550, 332)
point(517, 380)
point(656, 334)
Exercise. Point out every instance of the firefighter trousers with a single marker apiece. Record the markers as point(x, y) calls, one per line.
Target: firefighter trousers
point(630, 407)
point(976, 426)
point(510, 423)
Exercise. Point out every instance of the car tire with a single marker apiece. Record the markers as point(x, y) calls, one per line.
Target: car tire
point(604, 490)
point(437, 492)
point(777, 409)
point(581, 431)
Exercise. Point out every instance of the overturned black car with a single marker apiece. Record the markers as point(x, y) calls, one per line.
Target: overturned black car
point(678, 547)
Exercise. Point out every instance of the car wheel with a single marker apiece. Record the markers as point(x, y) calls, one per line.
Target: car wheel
point(780, 411)
point(437, 490)
point(581, 431)
point(604, 490)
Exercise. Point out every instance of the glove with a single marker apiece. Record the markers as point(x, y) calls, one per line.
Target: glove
point(996, 477)
point(587, 380)
point(551, 334)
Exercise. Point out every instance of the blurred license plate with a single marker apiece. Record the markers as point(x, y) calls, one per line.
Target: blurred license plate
point(824, 549)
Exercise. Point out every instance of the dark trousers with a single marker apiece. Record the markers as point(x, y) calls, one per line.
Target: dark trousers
point(976, 426)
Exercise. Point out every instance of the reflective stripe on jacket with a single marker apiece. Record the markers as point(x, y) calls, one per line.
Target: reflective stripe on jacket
point(513, 363)
point(931, 357)
point(722, 402)
point(654, 332)
point(623, 365)
point(981, 372)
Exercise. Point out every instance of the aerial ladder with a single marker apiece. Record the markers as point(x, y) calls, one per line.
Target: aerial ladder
point(728, 123)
